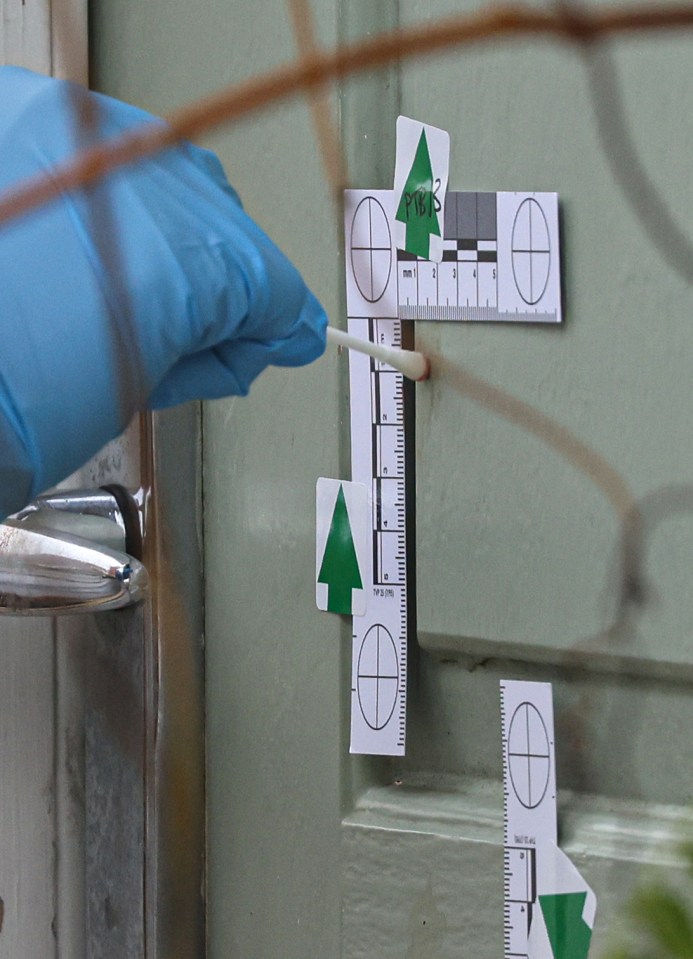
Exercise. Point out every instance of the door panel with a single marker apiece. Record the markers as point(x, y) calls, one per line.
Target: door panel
point(575, 429)
point(522, 528)
point(534, 448)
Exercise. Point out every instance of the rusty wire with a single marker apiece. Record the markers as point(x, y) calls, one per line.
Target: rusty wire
point(312, 70)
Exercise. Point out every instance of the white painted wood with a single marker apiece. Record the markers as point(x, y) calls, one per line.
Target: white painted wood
point(46, 37)
point(25, 34)
point(41, 747)
point(27, 655)
point(27, 828)
point(70, 893)
point(69, 46)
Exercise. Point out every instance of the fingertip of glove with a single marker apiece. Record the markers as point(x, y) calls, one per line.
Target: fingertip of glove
point(306, 339)
point(210, 164)
point(315, 317)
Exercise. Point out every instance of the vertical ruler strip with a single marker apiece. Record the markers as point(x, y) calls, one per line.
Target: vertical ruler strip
point(529, 802)
point(378, 460)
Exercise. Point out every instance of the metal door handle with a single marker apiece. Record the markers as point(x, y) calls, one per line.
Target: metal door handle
point(72, 553)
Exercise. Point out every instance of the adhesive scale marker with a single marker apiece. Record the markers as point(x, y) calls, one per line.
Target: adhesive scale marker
point(378, 457)
point(379, 665)
point(341, 545)
point(529, 793)
point(548, 910)
point(499, 262)
point(422, 163)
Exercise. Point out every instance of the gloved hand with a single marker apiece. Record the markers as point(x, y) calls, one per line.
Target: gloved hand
point(150, 288)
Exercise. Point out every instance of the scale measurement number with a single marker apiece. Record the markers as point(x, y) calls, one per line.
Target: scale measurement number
point(468, 285)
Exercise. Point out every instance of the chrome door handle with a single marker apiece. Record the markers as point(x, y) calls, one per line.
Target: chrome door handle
point(71, 553)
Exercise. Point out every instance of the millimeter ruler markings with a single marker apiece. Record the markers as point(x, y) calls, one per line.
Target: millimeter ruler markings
point(378, 459)
point(529, 802)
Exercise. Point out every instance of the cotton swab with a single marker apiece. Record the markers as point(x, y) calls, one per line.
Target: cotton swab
point(413, 365)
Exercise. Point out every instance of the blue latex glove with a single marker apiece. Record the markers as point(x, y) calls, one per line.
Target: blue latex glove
point(151, 288)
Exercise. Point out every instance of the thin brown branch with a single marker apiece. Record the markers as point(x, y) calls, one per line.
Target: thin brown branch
point(628, 168)
point(549, 431)
point(491, 24)
point(330, 146)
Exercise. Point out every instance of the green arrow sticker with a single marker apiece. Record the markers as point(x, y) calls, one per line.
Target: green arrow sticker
point(568, 932)
point(419, 205)
point(421, 181)
point(342, 514)
point(562, 925)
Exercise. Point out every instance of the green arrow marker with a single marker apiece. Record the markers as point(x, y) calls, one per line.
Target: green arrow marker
point(418, 206)
point(569, 934)
point(340, 567)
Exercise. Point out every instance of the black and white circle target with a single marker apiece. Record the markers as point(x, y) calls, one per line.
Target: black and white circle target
point(371, 249)
point(531, 251)
point(377, 678)
point(529, 755)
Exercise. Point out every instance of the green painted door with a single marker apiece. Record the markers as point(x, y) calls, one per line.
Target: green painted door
point(553, 465)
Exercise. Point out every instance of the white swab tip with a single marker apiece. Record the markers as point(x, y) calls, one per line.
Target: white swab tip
point(426, 370)
point(414, 365)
